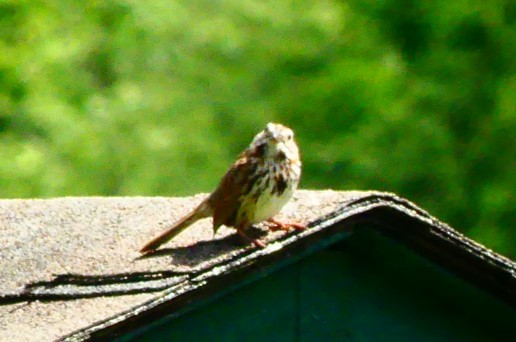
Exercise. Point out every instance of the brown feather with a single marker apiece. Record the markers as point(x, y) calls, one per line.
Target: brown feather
point(226, 199)
point(203, 210)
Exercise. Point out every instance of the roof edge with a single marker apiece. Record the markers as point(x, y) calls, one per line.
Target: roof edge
point(388, 213)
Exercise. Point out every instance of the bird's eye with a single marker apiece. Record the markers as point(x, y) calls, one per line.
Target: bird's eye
point(289, 136)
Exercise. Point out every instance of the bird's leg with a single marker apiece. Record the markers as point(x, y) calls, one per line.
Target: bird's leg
point(276, 225)
point(257, 242)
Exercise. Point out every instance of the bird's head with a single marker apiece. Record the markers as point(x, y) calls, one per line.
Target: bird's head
point(278, 142)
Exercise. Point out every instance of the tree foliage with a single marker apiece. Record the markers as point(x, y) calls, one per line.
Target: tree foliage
point(123, 97)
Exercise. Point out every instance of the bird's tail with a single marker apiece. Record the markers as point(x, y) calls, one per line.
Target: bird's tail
point(202, 211)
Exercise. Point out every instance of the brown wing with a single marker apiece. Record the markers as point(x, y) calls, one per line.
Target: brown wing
point(226, 198)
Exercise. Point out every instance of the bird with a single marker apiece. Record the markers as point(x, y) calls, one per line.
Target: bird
point(254, 189)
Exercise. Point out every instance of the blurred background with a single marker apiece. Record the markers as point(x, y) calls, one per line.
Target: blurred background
point(157, 97)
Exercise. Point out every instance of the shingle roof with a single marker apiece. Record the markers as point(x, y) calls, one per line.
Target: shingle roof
point(66, 262)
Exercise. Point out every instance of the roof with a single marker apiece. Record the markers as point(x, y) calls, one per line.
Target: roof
point(70, 266)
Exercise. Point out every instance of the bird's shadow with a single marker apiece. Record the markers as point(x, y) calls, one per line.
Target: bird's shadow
point(202, 251)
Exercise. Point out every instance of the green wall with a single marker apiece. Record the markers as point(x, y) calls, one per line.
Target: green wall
point(367, 288)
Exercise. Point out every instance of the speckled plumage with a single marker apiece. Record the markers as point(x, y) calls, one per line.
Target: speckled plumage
point(254, 189)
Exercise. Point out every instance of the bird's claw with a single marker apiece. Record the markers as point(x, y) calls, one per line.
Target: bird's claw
point(275, 225)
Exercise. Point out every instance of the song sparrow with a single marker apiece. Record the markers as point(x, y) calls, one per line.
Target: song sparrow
point(254, 189)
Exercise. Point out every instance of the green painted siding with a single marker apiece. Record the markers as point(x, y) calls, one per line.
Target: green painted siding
point(367, 288)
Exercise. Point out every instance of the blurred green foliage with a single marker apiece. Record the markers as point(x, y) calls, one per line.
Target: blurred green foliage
point(124, 97)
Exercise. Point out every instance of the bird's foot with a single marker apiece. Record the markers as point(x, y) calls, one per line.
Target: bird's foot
point(257, 242)
point(275, 225)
